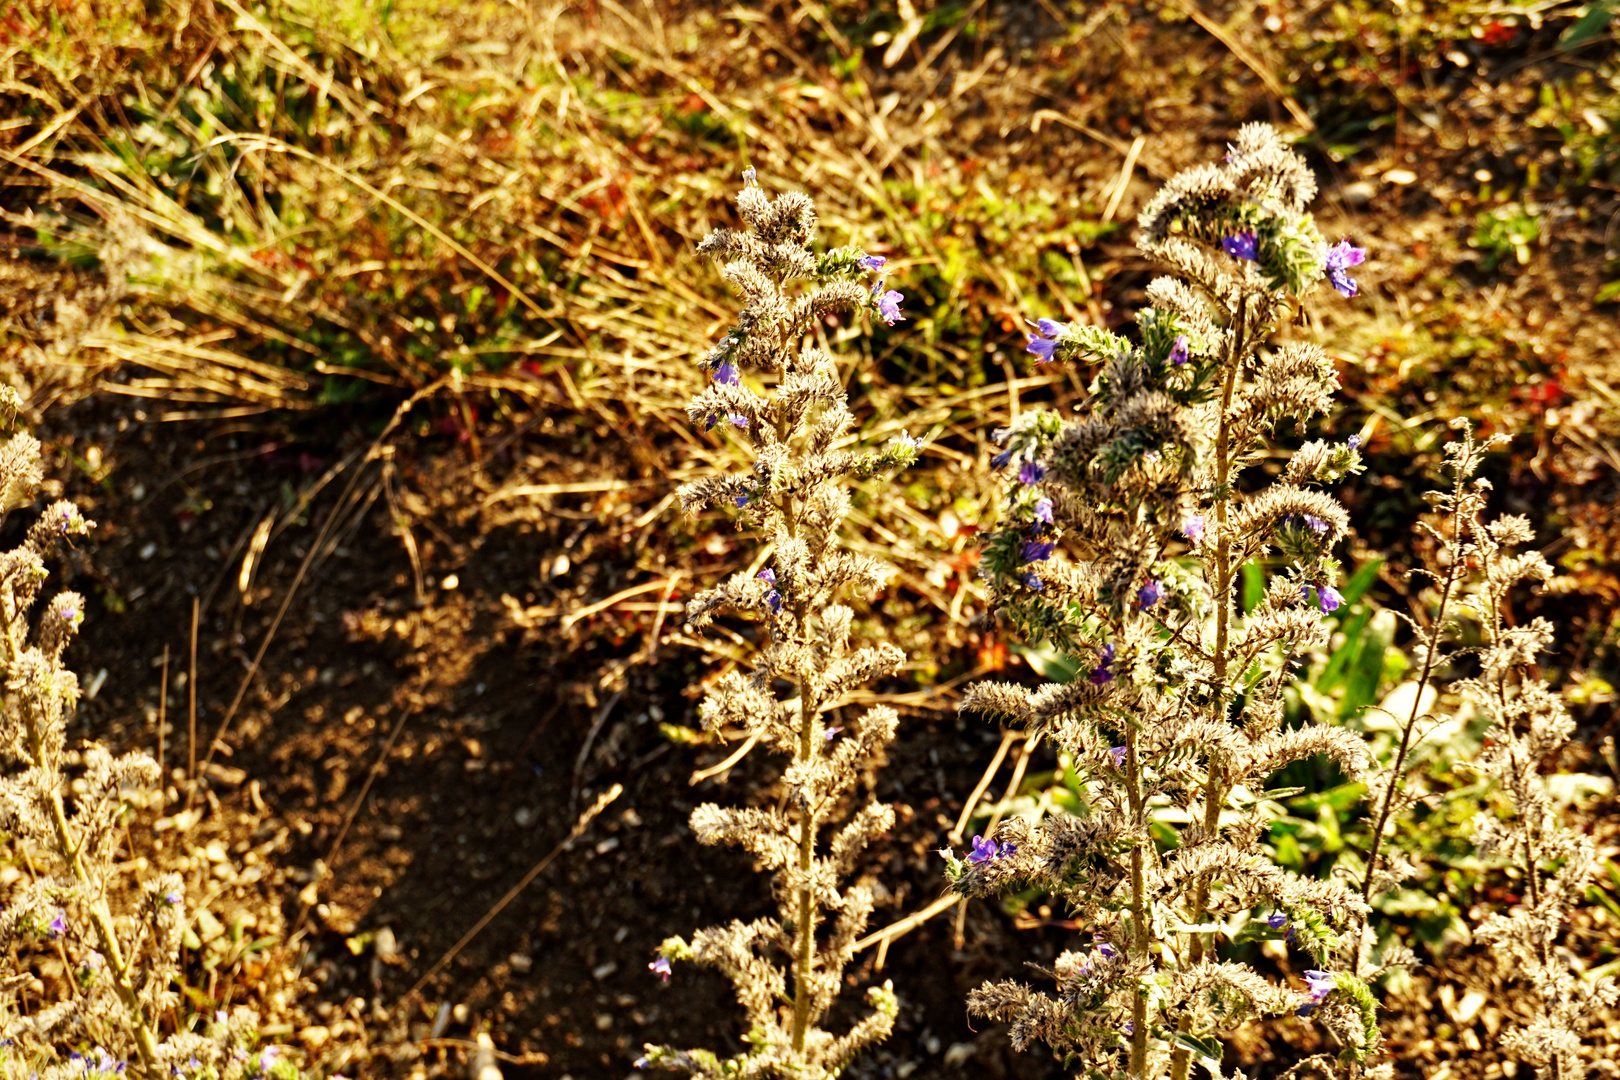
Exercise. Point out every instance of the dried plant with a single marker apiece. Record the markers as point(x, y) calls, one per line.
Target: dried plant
point(788, 970)
point(1175, 721)
point(63, 813)
point(1528, 728)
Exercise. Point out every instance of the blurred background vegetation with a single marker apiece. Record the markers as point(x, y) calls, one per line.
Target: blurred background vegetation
point(371, 238)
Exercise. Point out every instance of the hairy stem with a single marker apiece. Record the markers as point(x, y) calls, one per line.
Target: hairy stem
point(1214, 793)
point(1431, 657)
point(1133, 773)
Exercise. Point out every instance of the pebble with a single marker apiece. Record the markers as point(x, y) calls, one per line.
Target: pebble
point(521, 962)
point(1358, 194)
point(482, 1066)
point(385, 944)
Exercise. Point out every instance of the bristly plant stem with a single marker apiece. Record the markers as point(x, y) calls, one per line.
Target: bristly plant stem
point(1214, 795)
point(1431, 658)
point(1139, 932)
point(113, 953)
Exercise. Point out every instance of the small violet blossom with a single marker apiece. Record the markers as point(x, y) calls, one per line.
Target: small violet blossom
point(1178, 352)
point(749, 175)
point(1340, 257)
point(1242, 246)
point(1102, 672)
point(773, 599)
point(1043, 510)
point(1326, 595)
point(988, 850)
point(1033, 472)
point(1279, 921)
point(267, 1058)
point(1353, 441)
point(1118, 754)
point(888, 303)
point(660, 968)
point(1032, 581)
point(1104, 948)
point(727, 374)
point(1193, 528)
point(1038, 550)
point(1042, 348)
point(58, 925)
point(1316, 524)
point(999, 461)
point(173, 896)
point(831, 733)
point(1149, 594)
point(1318, 985)
point(742, 500)
point(871, 262)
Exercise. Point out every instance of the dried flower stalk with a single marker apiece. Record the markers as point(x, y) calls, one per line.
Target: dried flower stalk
point(788, 970)
point(1174, 719)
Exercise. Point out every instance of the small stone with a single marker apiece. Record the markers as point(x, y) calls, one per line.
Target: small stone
point(461, 1014)
point(520, 962)
point(524, 816)
point(1400, 177)
point(602, 971)
point(385, 944)
point(1358, 194)
point(604, 1021)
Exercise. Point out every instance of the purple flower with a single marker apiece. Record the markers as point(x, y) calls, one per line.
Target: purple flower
point(749, 174)
point(1193, 528)
point(1319, 984)
point(1353, 441)
point(1033, 472)
point(1149, 594)
point(267, 1058)
point(983, 851)
point(1000, 460)
point(1102, 673)
point(742, 500)
point(1340, 257)
point(871, 262)
point(999, 435)
point(1104, 948)
point(1316, 524)
point(1031, 581)
point(173, 896)
point(1279, 921)
point(1038, 550)
point(1242, 246)
point(737, 420)
point(831, 733)
point(888, 304)
point(1329, 598)
point(641, 1063)
point(58, 925)
point(1118, 754)
point(773, 599)
point(660, 968)
point(1042, 348)
point(1043, 510)
point(1178, 352)
point(727, 374)
point(1051, 328)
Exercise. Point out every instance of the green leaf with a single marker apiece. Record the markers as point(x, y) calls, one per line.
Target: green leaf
point(1361, 580)
point(1344, 654)
point(1367, 671)
point(1254, 586)
point(1608, 292)
point(1588, 26)
point(1047, 662)
point(1206, 1051)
